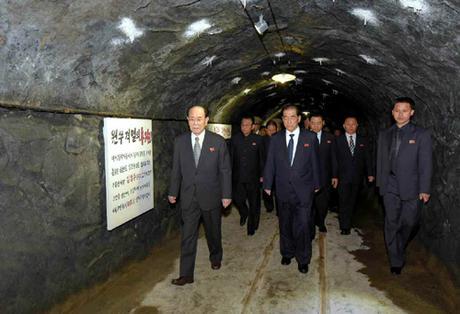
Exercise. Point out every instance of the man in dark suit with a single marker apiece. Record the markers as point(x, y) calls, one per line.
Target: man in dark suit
point(201, 177)
point(293, 165)
point(271, 129)
point(354, 163)
point(328, 163)
point(248, 160)
point(404, 169)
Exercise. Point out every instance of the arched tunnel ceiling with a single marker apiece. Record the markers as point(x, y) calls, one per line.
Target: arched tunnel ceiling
point(156, 57)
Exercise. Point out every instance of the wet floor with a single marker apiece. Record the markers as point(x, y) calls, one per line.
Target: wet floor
point(348, 274)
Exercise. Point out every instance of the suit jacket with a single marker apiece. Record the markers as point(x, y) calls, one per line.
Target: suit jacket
point(414, 162)
point(353, 168)
point(210, 181)
point(327, 159)
point(248, 158)
point(303, 177)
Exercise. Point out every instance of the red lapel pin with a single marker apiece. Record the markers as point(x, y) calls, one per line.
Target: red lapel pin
point(212, 149)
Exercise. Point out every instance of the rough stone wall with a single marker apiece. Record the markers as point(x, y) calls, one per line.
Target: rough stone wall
point(53, 239)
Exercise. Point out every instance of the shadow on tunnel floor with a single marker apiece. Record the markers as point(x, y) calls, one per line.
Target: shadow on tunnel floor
point(425, 285)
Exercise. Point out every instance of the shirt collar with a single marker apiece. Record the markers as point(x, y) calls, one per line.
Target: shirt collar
point(295, 132)
point(200, 136)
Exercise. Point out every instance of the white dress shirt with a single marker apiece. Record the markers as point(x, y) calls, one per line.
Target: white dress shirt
point(348, 138)
point(200, 138)
point(296, 133)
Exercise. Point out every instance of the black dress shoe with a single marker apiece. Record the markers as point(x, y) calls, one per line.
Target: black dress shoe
point(183, 280)
point(396, 270)
point(345, 231)
point(243, 220)
point(285, 261)
point(251, 233)
point(303, 268)
point(215, 265)
point(322, 229)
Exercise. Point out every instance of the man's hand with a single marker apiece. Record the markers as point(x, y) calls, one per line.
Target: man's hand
point(226, 202)
point(269, 192)
point(370, 178)
point(172, 199)
point(424, 197)
point(335, 182)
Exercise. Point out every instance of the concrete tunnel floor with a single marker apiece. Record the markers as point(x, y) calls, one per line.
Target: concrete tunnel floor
point(348, 274)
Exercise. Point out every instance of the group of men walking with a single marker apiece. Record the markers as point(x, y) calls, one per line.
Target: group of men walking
point(300, 167)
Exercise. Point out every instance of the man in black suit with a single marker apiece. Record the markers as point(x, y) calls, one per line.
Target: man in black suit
point(271, 129)
point(328, 163)
point(404, 169)
point(248, 160)
point(293, 165)
point(354, 163)
point(201, 177)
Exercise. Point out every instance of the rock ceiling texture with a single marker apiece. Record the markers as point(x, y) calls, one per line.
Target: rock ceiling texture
point(154, 58)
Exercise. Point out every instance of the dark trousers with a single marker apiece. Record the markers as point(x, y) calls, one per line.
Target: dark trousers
point(294, 222)
point(348, 194)
point(189, 236)
point(249, 192)
point(268, 201)
point(320, 206)
point(401, 221)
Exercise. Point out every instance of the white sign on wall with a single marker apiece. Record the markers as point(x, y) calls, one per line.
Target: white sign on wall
point(128, 169)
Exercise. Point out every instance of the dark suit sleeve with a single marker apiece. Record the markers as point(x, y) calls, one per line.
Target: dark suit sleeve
point(176, 175)
point(269, 170)
point(315, 164)
point(425, 162)
point(380, 159)
point(368, 160)
point(225, 171)
point(262, 155)
point(334, 163)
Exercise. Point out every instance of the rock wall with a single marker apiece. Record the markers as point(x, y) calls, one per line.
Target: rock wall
point(53, 239)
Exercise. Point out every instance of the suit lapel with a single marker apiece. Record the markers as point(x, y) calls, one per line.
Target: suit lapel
point(298, 147)
point(204, 149)
point(284, 148)
point(408, 135)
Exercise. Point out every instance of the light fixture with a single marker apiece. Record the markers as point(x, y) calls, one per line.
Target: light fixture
point(283, 77)
point(261, 26)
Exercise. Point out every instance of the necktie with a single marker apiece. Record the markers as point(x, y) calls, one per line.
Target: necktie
point(291, 148)
point(196, 150)
point(352, 145)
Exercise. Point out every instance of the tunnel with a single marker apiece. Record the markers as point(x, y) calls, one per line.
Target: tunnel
point(67, 65)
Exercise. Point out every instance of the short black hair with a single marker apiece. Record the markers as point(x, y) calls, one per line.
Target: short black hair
point(291, 106)
point(318, 115)
point(350, 116)
point(247, 117)
point(206, 111)
point(405, 99)
point(272, 122)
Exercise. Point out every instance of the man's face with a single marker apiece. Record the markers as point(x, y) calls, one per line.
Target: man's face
point(350, 125)
point(290, 119)
point(246, 126)
point(316, 124)
point(197, 120)
point(271, 129)
point(402, 112)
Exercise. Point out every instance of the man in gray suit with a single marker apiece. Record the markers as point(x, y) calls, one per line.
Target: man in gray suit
point(404, 169)
point(201, 177)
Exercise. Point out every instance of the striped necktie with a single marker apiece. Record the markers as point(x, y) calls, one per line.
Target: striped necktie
point(352, 145)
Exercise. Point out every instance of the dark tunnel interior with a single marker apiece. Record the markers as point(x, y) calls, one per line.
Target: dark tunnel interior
point(65, 65)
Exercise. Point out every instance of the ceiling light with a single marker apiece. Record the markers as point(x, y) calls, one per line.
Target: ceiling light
point(283, 77)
